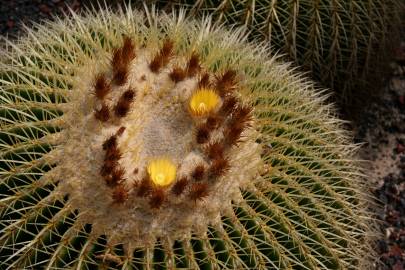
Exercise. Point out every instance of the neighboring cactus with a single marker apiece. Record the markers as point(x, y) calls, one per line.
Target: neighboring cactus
point(342, 42)
point(153, 141)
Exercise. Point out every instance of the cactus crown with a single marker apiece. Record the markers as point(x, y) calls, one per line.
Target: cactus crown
point(132, 114)
point(153, 140)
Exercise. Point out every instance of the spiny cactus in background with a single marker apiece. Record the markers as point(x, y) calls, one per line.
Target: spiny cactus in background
point(152, 141)
point(342, 42)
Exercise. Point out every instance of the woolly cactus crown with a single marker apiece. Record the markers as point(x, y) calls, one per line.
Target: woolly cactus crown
point(155, 141)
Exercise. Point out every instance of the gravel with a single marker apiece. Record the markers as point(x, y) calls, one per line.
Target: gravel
point(382, 129)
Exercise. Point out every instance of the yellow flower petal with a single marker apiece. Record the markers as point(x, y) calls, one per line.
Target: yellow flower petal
point(203, 102)
point(162, 171)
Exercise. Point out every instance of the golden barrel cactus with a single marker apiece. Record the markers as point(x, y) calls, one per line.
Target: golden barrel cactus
point(144, 140)
point(345, 44)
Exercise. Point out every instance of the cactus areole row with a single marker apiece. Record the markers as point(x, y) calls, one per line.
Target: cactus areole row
point(146, 140)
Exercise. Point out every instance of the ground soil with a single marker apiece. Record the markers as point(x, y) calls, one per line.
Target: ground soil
point(382, 131)
point(381, 128)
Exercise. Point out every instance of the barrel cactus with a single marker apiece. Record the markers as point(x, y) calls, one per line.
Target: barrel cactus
point(146, 140)
point(344, 43)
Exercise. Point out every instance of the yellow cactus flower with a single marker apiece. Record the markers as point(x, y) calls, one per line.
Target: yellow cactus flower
point(203, 102)
point(162, 171)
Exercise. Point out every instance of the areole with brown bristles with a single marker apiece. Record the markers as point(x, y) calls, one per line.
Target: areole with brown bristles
point(102, 114)
point(177, 74)
point(101, 86)
point(121, 60)
point(162, 57)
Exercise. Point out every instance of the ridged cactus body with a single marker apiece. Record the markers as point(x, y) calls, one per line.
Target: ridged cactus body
point(343, 43)
point(153, 141)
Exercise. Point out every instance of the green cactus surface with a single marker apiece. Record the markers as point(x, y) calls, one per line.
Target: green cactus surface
point(344, 43)
point(146, 140)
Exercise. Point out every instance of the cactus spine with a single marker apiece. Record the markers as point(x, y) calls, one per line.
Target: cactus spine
point(153, 141)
